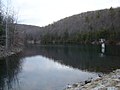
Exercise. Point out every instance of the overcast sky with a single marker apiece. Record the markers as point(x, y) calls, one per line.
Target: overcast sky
point(44, 12)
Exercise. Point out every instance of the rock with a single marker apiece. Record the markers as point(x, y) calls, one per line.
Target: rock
point(112, 88)
point(69, 86)
point(106, 82)
point(87, 81)
point(96, 79)
point(82, 83)
point(100, 75)
point(118, 85)
point(75, 85)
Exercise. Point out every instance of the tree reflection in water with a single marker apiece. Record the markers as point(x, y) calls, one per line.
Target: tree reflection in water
point(83, 57)
point(9, 69)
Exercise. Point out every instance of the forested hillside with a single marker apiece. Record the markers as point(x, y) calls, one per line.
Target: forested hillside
point(29, 32)
point(87, 27)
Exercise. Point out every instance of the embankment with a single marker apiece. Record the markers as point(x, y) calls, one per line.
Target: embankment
point(110, 81)
point(5, 53)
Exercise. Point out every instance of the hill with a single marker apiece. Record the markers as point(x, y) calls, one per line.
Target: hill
point(25, 30)
point(86, 27)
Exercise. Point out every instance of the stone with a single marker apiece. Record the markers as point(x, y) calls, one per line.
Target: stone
point(75, 85)
point(118, 85)
point(87, 81)
point(106, 82)
point(69, 86)
point(112, 88)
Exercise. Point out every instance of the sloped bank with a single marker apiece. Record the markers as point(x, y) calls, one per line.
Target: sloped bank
point(5, 53)
point(110, 81)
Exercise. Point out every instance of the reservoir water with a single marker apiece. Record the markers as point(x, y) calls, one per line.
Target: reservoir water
point(52, 67)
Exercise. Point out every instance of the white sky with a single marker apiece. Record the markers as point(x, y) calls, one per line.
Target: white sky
point(44, 12)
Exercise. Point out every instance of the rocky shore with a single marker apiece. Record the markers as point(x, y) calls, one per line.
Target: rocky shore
point(110, 81)
point(5, 53)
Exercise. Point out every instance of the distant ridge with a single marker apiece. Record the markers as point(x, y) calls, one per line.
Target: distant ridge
point(81, 28)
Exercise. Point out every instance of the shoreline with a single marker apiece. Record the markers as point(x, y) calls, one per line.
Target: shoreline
point(109, 81)
point(5, 53)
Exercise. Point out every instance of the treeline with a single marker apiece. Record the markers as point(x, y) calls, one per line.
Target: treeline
point(111, 37)
point(88, 27)
point(8, 33)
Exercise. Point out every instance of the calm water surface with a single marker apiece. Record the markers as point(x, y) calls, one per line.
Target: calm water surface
point(53, 67)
